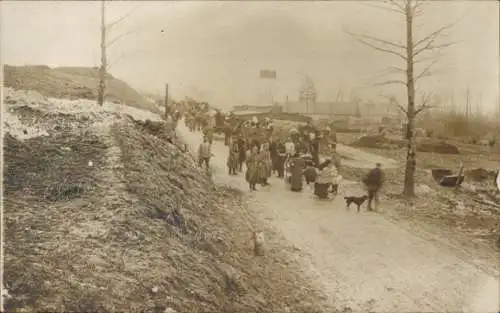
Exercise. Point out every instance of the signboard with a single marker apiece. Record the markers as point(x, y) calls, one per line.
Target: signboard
point(268, 74)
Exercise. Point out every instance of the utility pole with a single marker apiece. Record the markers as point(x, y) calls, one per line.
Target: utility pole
point(467, 105)
point(166, 101)
point(102, 69)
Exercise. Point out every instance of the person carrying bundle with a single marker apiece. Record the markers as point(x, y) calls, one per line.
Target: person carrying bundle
point(328, 177)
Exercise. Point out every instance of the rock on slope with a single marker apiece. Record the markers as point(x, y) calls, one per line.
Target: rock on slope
point(72, 83)
point(103, 215)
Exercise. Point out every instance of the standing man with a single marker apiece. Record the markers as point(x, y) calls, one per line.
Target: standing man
point(280, 159)
point(204, 153)
point(314, 147)
point(273, 149)
point(373, 182)
point(227, 131)
point(242, 150)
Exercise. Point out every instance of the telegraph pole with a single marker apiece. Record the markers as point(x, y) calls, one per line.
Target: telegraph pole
point(166, 101)
point(102, 69)
point(467, 108)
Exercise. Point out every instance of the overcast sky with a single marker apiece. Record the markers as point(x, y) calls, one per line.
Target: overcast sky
point(215, 50)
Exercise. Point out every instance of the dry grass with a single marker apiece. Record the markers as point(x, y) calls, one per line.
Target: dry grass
point(147, 231)
point(455, 125)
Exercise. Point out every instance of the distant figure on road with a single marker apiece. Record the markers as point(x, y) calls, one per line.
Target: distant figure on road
point(373, 182)
point(204, 153)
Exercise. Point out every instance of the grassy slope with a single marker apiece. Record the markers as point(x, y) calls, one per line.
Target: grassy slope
point(135, 232)
point(72, 83)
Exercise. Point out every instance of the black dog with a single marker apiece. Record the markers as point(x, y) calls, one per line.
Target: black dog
point(356, 200)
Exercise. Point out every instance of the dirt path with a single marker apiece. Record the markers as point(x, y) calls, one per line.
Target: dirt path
point(364, 261)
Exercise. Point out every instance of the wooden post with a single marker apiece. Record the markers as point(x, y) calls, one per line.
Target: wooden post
point(102, 69)
point(166, 101)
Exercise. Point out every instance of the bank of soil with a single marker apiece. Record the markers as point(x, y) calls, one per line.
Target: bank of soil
point(110, 217)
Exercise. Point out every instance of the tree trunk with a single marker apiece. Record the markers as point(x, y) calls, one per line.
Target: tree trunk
point(409, 181)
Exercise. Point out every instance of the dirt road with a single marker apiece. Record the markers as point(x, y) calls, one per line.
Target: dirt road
point(363, 261)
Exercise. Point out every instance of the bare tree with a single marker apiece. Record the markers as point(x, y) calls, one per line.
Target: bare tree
point(411, 53)
point(105, 44)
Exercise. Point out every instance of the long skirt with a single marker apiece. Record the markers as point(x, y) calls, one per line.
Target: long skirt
point(296, 181)
point(252, 174)
point(280, 166)
point(263, 171)
point(321, 190)
point(232, 162)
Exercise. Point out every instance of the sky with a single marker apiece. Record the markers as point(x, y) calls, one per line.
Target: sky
point(214, 51)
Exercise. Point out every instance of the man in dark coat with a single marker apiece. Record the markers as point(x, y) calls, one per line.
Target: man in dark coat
point(373, 182)
point(280, 159)
point(273, 149)
point(314, 148)
point(242, 149)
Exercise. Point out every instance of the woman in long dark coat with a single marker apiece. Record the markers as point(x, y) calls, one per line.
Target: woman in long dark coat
point(252, 174)
point(232, 159)
point(297, 165)
point(242, 148)
point(265, 164)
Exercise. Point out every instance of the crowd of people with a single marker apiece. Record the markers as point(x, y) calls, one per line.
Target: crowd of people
point(293, 157)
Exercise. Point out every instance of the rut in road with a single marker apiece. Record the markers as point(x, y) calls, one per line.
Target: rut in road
point(363, 261)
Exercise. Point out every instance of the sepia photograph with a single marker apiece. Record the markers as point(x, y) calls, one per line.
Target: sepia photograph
point(250, 156)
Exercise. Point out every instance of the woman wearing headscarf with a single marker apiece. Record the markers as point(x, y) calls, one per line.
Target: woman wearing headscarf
point(252, 174)
point(265, 164)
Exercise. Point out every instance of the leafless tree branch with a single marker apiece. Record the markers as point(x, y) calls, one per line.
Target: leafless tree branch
point(397, 5)
point(425, 104)
point(364, 40)
point(430, 47)
point(417, 7)
point(110, 25)
point(390, 82)
point(427, 71)
point(382, 41)
point(120, 37)
point(433, 35)
point(387, 8)
point(393, 101)
point(115, 61)
point(434, 57)
point(397, 69)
